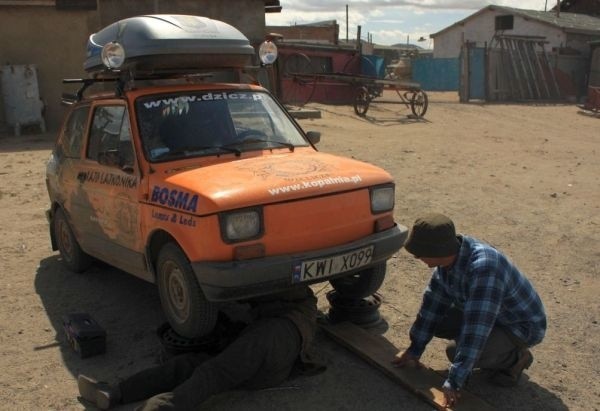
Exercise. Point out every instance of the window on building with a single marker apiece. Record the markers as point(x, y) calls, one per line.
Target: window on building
point(505, 22)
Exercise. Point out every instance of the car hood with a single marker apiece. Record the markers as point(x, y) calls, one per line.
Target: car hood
point(261, 180)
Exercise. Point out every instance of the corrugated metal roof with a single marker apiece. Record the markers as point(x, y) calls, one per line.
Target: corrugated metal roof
point(570, 22)
point(565, 20)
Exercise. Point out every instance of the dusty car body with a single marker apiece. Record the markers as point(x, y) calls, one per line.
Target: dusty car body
point(212, 191)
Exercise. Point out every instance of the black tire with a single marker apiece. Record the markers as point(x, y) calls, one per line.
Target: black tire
point(70, 251)
point(187, 310)
point(362, 101)
point(419, 103)
point(361, 284)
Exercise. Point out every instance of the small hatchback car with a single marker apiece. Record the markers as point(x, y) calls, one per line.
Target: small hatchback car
point(208, 189)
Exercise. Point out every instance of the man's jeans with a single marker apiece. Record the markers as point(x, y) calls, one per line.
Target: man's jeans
point(500, 351)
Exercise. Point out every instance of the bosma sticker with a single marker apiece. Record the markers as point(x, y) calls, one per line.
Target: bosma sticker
point(174, 199)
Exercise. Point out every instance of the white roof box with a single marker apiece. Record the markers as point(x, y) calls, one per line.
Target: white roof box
point(171, 43)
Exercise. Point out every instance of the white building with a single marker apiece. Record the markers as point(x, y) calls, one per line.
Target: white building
point(566, 31)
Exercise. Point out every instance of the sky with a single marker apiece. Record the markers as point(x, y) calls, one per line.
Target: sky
point(390, 21)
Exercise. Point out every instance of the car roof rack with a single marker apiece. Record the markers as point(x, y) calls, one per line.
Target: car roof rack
point(126, 80)
point(70, 98)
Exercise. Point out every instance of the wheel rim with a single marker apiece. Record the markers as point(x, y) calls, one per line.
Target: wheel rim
point(419, 103)
point(65, 240)
point(362, 102)
point(301, 90)
point(177, 295)
point(298, 67)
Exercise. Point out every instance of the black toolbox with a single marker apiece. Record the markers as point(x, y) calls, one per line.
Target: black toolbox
point(84, 334)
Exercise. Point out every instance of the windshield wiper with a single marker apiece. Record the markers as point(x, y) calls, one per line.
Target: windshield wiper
point(260, 140)
point(192, 149)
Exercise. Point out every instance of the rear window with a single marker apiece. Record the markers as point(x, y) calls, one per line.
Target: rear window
point(71, 141)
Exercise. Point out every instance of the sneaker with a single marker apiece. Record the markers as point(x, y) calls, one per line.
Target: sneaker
point(101, 394)
point(511, 376)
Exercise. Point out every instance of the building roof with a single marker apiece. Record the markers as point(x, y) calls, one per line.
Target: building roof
point(568, 22)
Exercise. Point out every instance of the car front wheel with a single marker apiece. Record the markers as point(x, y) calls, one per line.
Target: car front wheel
point(361, 284)
point(70, 251)
point(184, 304)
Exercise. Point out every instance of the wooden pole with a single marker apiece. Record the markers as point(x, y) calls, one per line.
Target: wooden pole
point(346, 24)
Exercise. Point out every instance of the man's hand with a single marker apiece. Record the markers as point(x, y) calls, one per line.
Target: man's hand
point(450, 397)
point(406, 359)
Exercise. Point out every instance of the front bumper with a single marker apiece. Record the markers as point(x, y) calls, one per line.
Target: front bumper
point(235, 280)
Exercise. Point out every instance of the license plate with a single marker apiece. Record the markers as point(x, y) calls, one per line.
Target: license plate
point(326, 267)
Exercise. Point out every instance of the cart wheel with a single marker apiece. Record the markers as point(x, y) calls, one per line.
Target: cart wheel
point(300, 91)
point(362, 101)
point(297, 67)
point(418, 103)
point(297, 63)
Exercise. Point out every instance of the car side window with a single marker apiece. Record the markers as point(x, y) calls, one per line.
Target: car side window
point(110, 137)
point(72, 138)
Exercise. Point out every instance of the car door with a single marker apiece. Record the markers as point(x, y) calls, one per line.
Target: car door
point(64, 165)
point(110, 180)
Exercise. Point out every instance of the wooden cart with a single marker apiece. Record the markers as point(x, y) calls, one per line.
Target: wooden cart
point(367, 89)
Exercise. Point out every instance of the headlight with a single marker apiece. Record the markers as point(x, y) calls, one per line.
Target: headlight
point(382, 199)
point(241, 225)
point(113, 55)
point(267, 52)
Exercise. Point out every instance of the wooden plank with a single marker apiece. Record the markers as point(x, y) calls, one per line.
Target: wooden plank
point(529, 56)
point(504, 67)
point(379, 352)
point(540, 71)
point(523, 69)
point(512, 58)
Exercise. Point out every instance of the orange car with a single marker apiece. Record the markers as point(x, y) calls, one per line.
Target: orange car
point(210, 190)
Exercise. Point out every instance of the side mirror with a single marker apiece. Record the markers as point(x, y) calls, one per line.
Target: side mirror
point(314, 137)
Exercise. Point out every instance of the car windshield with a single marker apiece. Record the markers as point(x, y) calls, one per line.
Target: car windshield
point(192, 124)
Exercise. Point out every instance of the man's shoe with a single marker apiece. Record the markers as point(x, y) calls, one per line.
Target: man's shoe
point(101, 394)
point(511, 376)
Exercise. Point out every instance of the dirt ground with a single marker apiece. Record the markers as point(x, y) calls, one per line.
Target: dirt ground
point(523, 177)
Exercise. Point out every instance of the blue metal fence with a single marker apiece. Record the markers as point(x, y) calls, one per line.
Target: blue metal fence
point(436, 74)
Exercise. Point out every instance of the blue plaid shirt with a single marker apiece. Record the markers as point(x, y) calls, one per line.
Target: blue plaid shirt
point(491, 291)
